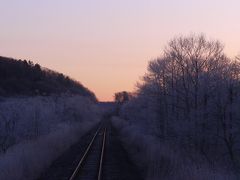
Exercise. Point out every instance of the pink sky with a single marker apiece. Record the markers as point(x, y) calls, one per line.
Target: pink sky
point(106, 44)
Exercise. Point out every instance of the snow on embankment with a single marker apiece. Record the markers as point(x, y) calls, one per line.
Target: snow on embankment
point(158, 160)
point(41, 130)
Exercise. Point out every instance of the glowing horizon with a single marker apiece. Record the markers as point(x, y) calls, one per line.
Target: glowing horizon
point(106, 45)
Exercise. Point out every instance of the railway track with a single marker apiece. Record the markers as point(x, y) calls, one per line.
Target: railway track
point(91, 164)
point(98, 155)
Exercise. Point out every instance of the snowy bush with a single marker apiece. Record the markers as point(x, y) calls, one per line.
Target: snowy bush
point(27, 160)
point(28, 118)
point(36, 130)
point(158, 160)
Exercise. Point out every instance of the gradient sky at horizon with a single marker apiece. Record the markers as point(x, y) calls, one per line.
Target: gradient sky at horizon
point(106, 44)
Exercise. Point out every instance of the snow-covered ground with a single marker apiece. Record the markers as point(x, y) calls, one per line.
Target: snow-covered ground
point(36, 130)
point(159, 160)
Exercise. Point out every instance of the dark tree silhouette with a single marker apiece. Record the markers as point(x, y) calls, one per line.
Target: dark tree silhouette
point(19, 77)
point(122, 97)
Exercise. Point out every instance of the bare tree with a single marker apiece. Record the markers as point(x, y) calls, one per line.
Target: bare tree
point(195, 81)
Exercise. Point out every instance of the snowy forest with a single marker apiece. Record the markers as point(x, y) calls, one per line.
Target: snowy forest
point(188, 102)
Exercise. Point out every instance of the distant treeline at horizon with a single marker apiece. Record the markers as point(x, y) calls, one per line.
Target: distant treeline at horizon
point(25, 78)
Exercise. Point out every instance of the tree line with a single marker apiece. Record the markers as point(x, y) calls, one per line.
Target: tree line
point(22, 77)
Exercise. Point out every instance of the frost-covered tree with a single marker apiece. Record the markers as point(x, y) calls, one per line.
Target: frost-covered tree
point(193, 92)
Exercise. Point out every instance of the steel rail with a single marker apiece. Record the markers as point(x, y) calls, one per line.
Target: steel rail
point(84, 156)
point(102, 154)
